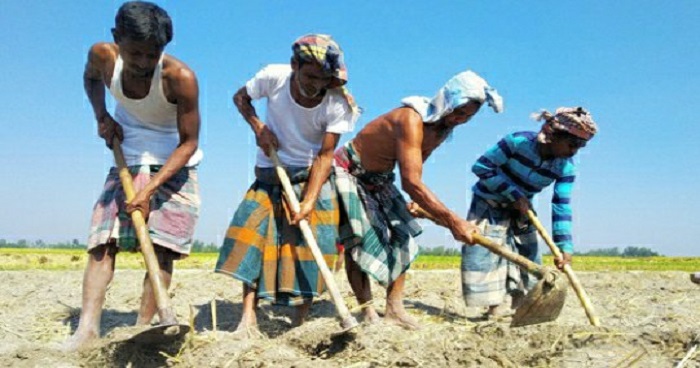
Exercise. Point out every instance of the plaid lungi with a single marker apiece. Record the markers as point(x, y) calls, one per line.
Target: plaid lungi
point(264, 251)
point(174, 211)
point(375, 225)
point(486, 277)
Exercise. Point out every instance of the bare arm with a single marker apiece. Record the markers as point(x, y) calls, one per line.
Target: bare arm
point(410, 160)
point(320, 170)
point(185, 91)
point(94, 83)
point(264, 138)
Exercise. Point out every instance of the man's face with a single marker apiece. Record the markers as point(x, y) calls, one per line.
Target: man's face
point(461, 114)
point(566, 145)
point(140, 57)
point(310, 78)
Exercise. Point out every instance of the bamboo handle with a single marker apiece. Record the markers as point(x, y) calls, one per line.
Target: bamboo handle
point(575, 283)
point(347, 320)
point(524, 263)
point(165, 313)
point(538, 270)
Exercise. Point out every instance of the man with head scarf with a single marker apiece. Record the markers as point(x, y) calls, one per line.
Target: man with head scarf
point(308, 109)
point(510, 173)
point(377, 228)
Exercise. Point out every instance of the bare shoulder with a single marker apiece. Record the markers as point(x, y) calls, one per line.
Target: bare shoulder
point(103, 53)
point(177, 72)
point(405, 117)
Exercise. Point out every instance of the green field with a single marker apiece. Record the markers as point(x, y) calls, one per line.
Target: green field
point(68, 259)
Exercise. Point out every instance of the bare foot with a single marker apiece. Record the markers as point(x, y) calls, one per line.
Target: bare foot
point(142, 321)
point(499, 311)
point(79, 340)
point(248, 327)
point(302, 311)
point(369, 315)
point(396, 313)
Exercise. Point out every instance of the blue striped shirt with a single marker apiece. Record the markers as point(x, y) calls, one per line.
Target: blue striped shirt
point(513, 169)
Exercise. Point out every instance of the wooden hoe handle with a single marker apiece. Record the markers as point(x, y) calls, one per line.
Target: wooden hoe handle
point(347, 320)
point(538, 270)
point(165, 312)
point(575, 283)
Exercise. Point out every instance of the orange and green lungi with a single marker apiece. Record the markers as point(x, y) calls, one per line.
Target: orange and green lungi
point(263, 250)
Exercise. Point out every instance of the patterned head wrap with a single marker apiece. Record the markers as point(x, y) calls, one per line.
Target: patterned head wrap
point(576, 121)
point(460, 89)
point(322, 49)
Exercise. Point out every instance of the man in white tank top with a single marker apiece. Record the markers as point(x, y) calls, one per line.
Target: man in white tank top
point(307, 110)
point(157, 121)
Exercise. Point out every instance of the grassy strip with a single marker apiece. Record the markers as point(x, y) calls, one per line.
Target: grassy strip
point(583, 263)
point(72, 259)
point(76, 259)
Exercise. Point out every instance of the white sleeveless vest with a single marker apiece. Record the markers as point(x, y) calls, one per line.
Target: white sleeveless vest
point(149, 124)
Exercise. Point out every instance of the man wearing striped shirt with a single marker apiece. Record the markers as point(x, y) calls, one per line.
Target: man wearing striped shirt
point(510, 173)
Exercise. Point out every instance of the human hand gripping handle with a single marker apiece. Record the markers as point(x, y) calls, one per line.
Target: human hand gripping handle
point(462, 230)
point(266, 139)
point(165, 312)
point(348, 322)
point(538, 270)
point(108, 129)
point(575, 283)
point(522, 205)
point(305, 209)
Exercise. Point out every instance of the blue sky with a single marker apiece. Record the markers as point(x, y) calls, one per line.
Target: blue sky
point(633, 64)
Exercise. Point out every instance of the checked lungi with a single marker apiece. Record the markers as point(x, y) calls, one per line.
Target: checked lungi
point(264, 251)
point(487, 277)
point(375, 226)
point(174, 211)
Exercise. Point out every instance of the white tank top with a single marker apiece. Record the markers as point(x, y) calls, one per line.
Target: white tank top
point(149, 124)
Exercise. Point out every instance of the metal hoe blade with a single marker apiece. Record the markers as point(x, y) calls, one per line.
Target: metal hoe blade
point(543, 303)
point(161, 334)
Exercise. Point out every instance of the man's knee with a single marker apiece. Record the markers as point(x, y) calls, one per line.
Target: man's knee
point(165, 255)
point(165, 251)
point(103, 250)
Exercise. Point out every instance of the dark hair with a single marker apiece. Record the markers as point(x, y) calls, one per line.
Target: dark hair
point(142, 21)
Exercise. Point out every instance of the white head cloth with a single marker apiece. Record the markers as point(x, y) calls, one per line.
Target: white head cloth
point(460, 89)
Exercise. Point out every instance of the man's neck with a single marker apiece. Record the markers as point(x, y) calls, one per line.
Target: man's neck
point(299, 98)
point(137, 77)
point(545, 151)
point(439, 127)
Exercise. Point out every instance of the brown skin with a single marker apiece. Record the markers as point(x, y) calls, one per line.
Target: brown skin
point(561, 146)
point(180, 88)
point(400, 136)
point(308, 87)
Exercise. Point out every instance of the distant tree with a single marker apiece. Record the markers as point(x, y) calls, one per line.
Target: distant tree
point(603, 252)
point(211, 248)
point(440, 251)
point(615, 252)
point(198, 246)
point(3, 243)
point(639, 252)
point(40, 244)
point(22, 243)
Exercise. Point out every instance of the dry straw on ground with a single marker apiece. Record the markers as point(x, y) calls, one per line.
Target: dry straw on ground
point(649, 320)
